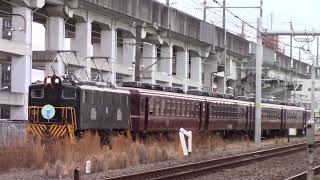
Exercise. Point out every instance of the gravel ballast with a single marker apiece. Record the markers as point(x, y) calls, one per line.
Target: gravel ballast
point(277, 168)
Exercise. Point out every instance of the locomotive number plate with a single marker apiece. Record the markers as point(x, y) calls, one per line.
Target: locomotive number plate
point(48, 111)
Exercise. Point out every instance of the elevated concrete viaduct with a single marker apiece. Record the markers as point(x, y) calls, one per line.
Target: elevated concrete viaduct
point(178, 50)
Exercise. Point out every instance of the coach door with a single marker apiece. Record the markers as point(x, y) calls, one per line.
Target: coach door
point(202, 116)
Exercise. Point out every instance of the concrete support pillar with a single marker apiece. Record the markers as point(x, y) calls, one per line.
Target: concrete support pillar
point(129, 55)
point(82, 44)
point(196, 70)
point(182, 65)
point(0, 76)
point(221, 85)
point(96, 49)
point(55, 41)
point(21, 65)
point(149, 58)
point(1, 25)
point(166, 62)
point(108, 49)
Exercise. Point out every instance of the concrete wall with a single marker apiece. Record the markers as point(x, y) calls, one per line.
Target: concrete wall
point(304, 96)
point(181, 23)
point(11, 132)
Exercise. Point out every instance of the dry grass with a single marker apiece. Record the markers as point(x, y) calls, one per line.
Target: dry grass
point(59, 158)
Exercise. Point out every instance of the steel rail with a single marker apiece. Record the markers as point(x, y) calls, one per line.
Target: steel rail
point(192, 170)
point(303, 175)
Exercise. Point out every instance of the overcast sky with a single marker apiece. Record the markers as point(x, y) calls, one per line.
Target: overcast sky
point(303, 14)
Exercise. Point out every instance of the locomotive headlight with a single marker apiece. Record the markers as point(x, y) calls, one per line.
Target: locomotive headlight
point(56, 81)
point(48, 80)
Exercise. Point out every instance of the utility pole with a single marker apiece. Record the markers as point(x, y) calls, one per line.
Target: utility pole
point(138, 53)
point(317, 60)
point(225, 47)
point(204, 10)
point(242, 29)
point(291, 65)
point(259, 59)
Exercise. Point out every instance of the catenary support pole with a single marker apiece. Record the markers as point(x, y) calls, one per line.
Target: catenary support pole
point(224, 48)
point(138, 53)
point(259, 58)
point(310, 127)
point(204, 10)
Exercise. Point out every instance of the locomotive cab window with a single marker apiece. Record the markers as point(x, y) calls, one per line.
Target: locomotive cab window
point(37, 93)
point(69, 94)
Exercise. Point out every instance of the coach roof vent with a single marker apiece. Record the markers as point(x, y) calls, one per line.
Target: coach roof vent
point(206, 93)
point(178, 90)
point(146, 85)
point(229, 96)
point(243, 98)
point(195, 92)
point(158, 87)
point(168, 89)
point(133, 84)
point(220, 95)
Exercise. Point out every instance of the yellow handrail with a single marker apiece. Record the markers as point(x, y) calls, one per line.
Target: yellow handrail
point(34, 112)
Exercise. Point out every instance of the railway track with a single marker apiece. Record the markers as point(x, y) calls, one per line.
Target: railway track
point(191, 170)
point(303, 175)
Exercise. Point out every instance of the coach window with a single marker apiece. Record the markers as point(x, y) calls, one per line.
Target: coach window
point(151, 106)
point(183, 108)
point(187, 108)
point(163, 106)
point(218, 109)
point(37, 93)
point(167, 108)
point(173, 107)
point(233, 111)
point(157, 107)
point(228, 111)
point(142, 104)
point(214, 110)
point(196, 108)
point(191, 109)
point(178, 108)
point(210, 111)
point(223, 111)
